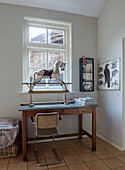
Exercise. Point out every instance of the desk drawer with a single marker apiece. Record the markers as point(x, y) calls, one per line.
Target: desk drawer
point(55, 110)
point(85, 110)
point(69, 111)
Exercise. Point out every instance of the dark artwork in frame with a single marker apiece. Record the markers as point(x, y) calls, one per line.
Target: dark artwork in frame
point(86, 74)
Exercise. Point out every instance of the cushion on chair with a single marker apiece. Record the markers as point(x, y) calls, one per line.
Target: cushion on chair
point(47, 132)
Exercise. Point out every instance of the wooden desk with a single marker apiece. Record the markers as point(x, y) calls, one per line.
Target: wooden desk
point(62, 109)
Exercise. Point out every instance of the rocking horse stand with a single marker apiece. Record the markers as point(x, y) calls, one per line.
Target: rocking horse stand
point(30, 86)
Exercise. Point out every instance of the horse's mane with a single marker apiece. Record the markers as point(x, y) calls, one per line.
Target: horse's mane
point(55, 66)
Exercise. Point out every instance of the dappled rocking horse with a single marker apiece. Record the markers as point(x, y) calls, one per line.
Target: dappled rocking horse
point(52, 73)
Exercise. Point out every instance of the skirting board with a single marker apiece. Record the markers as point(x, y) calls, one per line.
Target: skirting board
point(113, 144)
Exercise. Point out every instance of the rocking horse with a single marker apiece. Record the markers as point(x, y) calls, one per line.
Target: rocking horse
point(52, 73)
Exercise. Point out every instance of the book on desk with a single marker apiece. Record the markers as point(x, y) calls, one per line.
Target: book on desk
point(85, 100)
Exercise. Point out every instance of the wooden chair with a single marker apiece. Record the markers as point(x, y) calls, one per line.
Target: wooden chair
point(46, 124)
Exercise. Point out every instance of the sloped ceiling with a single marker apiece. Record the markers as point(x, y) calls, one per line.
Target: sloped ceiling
point(83, 7)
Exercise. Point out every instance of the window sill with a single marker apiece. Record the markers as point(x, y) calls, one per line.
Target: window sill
point(73, 92)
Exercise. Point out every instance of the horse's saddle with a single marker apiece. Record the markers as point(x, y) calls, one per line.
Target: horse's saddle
point(48, 73)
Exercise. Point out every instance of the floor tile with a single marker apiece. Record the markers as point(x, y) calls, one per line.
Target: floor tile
point(63, 144)
point(47, 145)
point(106, 145)
point(103, 154)
point(62, 163)
point(122, 158)
point(98, 140)
point(116, 152)
point(113, 162)
point(39, 146)
point(78, 167)
point(18, 166)
point(72, 159)
point(81, 149)
point(123, 168)
point(31, 147)
point(32, 156)
point(3, 166)
point(15, 159)
point(67, 151)
point(86, 139)
point(97, 165)
point(50, 153)
point(32, 165)
point(4, 160)
point(88, 156)
point(99, 147)
point(60, 168)
point(76, 143)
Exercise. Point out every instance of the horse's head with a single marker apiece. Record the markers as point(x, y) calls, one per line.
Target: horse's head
point(59, 66)
point(62, 65)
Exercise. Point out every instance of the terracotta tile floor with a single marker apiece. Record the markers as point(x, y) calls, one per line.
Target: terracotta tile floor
point(74, 154)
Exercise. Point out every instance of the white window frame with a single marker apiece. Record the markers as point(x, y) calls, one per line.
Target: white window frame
point(66, 48)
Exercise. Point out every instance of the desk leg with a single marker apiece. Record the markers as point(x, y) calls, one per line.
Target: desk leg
point(94, 130)
point(24, 135)
point(80, 125)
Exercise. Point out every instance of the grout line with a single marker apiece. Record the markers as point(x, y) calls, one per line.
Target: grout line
point(8, 163)
point(105, 164)
point(88, 161)
point(44, 156)
point(58, 167)
point(27, 165)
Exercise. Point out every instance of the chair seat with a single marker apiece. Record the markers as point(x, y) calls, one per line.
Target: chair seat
point(47, 132)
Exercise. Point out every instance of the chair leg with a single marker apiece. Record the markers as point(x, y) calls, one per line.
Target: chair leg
point(58, 160)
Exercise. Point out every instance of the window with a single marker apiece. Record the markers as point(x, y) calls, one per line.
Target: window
point(46, 41)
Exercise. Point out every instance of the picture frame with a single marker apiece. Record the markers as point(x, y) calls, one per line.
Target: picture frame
point(109, 75)
point(86, 74)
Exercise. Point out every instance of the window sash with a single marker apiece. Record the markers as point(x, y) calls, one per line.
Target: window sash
point(66, 47)
point(47, 44)
point(65, 77)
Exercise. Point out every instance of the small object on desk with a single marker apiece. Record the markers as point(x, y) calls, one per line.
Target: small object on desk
point(85, 101)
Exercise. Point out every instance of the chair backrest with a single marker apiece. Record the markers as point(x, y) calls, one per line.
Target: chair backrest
point(46, 120)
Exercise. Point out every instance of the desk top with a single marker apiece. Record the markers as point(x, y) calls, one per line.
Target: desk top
point(54, 106)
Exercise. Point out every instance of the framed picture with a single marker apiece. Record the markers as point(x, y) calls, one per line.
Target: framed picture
point(86, 74)
point(109, 75)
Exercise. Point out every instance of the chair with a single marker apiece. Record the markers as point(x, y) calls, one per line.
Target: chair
point(46, 124)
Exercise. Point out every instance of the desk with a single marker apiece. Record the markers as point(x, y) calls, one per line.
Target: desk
point(62, 109)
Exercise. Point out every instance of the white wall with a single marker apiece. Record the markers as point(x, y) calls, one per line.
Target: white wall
point(11, 50)
point(111, 30)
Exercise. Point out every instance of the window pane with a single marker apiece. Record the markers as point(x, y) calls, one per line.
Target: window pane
point(55, 36)
point(53, 57)
point(37, 59)
point(31, 76)
point(37, 34)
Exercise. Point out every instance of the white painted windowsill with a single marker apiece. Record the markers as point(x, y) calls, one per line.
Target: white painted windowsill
point(73, 92)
